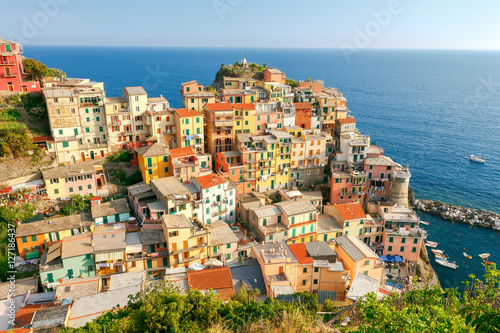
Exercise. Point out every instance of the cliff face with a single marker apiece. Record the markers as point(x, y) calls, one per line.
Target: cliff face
point(251, 72)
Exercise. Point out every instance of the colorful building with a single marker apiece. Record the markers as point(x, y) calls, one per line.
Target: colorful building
point(219, 127)
point(154, 161)
point(346, 186)
point(217, 279)
point(186, 164)
point(350, 216)
point(274, 75)
point(229, 164)
point(108, 243)
point(303, 113)
point(31, 238)
point(189, 129)
point(111, 212)
point(194, 96)
point(222, 243)
point(82, 178)
point(187, 241)
point(68, 259)
point(12, 74)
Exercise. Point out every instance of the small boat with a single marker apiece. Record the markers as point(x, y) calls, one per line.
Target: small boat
point(484, 255)
point(440, 256)
point(431, 244)
point(477, 159)
point(446, 263)
point(467, 256)
point(423, 222)
point(436, 251)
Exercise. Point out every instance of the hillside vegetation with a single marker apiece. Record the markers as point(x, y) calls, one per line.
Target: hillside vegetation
point(419, 310)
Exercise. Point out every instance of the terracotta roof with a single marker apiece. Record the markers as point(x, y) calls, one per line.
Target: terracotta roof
point(181, 152)
point(218, 279)
point(301, 106)
point(187, 113)
point(351, 211)
point(347, 121)
point(25, 314)
point(300, 252)
point(244, 106)
point(189, 82)
point(219, 106)
point(210, 180)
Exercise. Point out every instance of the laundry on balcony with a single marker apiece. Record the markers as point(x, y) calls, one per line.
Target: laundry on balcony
point(189, 137)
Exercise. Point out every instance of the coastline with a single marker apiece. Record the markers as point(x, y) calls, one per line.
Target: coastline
point(480, 218)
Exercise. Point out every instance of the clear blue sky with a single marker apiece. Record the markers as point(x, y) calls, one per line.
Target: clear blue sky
point(456, 24)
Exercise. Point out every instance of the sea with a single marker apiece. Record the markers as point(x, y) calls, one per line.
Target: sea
point(428, 109)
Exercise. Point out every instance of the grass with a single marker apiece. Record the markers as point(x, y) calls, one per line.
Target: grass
point(9, 114)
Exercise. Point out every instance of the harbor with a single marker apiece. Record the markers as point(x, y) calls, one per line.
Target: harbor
point(453, 240)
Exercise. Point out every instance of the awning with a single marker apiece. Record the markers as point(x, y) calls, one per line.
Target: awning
point(33, 255)
point(384, 258)
point(34, 183)
point(133, 248)
point(394, 259)
point(99, 257)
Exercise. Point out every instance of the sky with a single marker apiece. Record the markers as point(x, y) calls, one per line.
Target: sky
point(394, 24)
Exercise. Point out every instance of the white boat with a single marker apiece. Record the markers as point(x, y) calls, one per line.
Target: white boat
point(477, 159)
point(436, 251)
point(446, 263)
point(431, 244)
point(467, 256)
point(484, 256)
point(440, 256)
point(423, 222)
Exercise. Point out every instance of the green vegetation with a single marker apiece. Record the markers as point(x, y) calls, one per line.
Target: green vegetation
point(119, 177)
point(9, 114)
point(14, 140)
point(419, 310)
point(77, 204)
point(9, 215)
point(40, 71)
point(292, 83)
point(34, 104)
point(124, 156)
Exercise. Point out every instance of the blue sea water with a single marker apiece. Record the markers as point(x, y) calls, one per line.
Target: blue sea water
point(428, 109)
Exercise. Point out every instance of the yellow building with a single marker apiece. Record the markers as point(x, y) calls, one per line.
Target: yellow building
point(243, 118)
point(332, 106)
point(189, 129)
point(350, 216)
point(187, 241)
point(154, 161)
point(174, 195)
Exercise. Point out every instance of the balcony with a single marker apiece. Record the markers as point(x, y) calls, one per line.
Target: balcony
point(191, 248)
point(179, 261)
point(220, 213)
point(9, 75)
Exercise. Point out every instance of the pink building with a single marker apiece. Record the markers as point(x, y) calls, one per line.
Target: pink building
point(379, 170)
point(12, 75)
point(186, 164)
point(267, 117)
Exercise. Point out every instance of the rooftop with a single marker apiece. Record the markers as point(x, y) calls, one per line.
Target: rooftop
point(380, 160)
point(347, 121)
point(77, 169)
point(274, 71)
point(249, 274)
point(244, 106)
point(319, 249)
point(156, 149)
point(350, 211)
point(169, 186)
point(327, 223)
point(88, 308)
point(220, 234)
point(219, 106)
point(77, 288)
point(76, 245)
point(274, 252)
point(296, 207)
point(138, 188)
point(109, 208)
point(355, 248)
point(24, 315)
point(135, 91)
point(22, 286)
point(124, 280)
point(302, 106)
point(300, 252)
point(109, 240)
point(266, 211)
point(50, 318)
point(181, 152)
point(152, 236)
point(361, 286)
point(210, 180)
point(218, 279)
point(176, 221)
point(187, 113)
point(54, 225)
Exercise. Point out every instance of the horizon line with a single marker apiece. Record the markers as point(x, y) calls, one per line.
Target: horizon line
point(265, 47)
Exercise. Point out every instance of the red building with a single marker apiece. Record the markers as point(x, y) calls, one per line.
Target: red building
point(229, 164)
point(12, 75)
point(303, 112)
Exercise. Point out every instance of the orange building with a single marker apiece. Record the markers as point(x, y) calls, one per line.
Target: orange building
point(219, 127)
point(303, 112)
point(229, 164)
point(217, 279)
point(274, 75)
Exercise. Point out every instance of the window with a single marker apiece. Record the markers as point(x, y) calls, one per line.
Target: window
point(304, 270)
point(80, 188)
point(304, 282)
point(71, 190)
point(315, 281)
point(402, 249)
point(70, 274)
point(391, 239)
point(293, 219)
point(415, 240)
point(90, 268)
point(264, 222)
point(24, 239)
point(50, 278)
point(89, 186)
point(413, 249)
point(56, 191)
point(403, 240)
point(8, 49)
point(316, 269)
point(367, 262)
point(228, 246)
point(88, 256)
point(65, 144)
point(166, 169)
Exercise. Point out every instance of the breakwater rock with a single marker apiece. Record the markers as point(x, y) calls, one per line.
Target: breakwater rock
point(468, 215)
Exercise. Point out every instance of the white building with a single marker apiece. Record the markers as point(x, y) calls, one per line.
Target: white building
point(217, 197)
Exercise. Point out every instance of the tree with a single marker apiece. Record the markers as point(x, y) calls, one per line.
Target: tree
point(55, 72)
point(14, 140)
point(36, 68)
point(292, 82)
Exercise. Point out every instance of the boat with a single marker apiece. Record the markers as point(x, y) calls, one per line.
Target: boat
point(467, 256)
point(436, 251)
point(431, 244)
point(477, 159)
point(441, 256)
point(446, 263)
point(484, 255)
point(423, 222)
